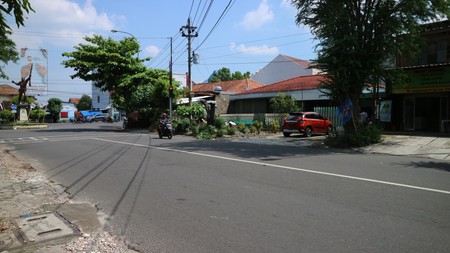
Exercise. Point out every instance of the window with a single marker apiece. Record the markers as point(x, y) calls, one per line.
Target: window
point(98, 99)
point(442, 51)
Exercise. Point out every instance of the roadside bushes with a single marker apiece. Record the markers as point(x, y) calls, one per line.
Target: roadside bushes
point(365, 136)
point(6, 116)
point(274, 126)
point(37, 115)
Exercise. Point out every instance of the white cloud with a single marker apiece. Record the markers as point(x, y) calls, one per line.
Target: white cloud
point(152, 51)
point(61, 23)
point(259, 17)
point(254, 50)
point(287, 5)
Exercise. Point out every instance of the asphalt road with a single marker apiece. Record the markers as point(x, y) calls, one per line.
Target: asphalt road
point(185, 195)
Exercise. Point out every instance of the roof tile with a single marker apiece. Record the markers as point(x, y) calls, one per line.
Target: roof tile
point(310, 82)
point(234, 86)
point(6, 89)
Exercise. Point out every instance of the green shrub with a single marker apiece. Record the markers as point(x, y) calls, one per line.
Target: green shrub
point(206, 132)
point(258, 126)
point(365, 136)
point(220, 132)
point(6, 115)
point(194, 130)
point(231, 131)
point(37, 115)
point(274, 126)
point(242, 128)
point(181, 125)
point(204, 135)
point(219, 123)
point(253, 129)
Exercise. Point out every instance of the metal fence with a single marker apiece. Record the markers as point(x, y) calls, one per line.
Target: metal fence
point(248, 118)
point(330, 113)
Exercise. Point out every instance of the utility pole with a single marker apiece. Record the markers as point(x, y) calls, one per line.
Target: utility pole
point(170, 81)
point(190, 34)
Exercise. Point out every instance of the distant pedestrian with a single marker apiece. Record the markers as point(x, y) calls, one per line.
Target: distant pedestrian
point(363, 117)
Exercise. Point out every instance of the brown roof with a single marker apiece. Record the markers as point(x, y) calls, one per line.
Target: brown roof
point(74, 100)
point(8, 90)
point(234, 86)
point(310, 82)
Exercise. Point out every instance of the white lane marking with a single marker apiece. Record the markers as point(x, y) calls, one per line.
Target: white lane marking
point(283, 167)
point(55, 138)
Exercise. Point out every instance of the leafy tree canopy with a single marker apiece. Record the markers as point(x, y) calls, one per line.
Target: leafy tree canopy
point(15, 8)
point(224, 74)
point(357, 37)
point(154, 95)
point(85, 103)
point(110, 64)
point(54, 107)
point(30, 100)
point(283, 103)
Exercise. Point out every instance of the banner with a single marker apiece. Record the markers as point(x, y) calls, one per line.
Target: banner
point(38, 58)
point(345, 110)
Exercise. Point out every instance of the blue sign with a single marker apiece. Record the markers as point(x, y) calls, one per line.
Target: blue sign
point(13, 107)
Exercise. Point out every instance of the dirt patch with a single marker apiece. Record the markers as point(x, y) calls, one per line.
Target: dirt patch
point(25, 191)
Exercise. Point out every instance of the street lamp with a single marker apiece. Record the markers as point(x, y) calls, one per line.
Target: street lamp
point(117, 31)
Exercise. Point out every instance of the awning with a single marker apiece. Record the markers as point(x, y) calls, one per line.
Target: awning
point(183, 101)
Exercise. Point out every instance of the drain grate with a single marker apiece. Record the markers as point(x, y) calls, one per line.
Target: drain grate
point(44, 227)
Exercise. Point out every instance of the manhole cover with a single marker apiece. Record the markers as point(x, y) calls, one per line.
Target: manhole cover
point(44, 227)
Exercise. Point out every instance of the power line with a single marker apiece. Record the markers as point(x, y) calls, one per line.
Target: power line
point(206, 14)
point(227, 8)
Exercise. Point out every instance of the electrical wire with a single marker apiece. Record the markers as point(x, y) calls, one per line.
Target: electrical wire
point(227, 9)
point(206, 14)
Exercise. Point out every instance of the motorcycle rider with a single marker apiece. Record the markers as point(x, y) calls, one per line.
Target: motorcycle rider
point(163, 121)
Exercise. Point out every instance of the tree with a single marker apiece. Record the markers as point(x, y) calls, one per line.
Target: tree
point(283, 103)
point(30, 100)
point(239, 76)
point(224, 74)
point(37, 114)
point(357, 37)
point(85, 103)
point(15, 8)
point(6, 115)
point(54, 107)
point(111, 65)
point(153, 96)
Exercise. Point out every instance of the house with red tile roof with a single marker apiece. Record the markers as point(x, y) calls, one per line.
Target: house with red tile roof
point(303, 89)
point(75, 101)
point(7, 92)
point(284, 67)
point(221, 91)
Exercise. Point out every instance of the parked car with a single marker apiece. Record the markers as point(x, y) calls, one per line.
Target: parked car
point(99, 117)
point(306, 123)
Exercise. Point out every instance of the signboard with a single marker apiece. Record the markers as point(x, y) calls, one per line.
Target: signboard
point(38, 58)
point(425, 80)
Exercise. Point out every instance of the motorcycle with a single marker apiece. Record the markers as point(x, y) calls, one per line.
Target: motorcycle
point(165, 130)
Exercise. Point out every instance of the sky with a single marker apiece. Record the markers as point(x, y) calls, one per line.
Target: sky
point(241, 35)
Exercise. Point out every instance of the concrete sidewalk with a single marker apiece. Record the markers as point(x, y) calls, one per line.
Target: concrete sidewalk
point(435, 147)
